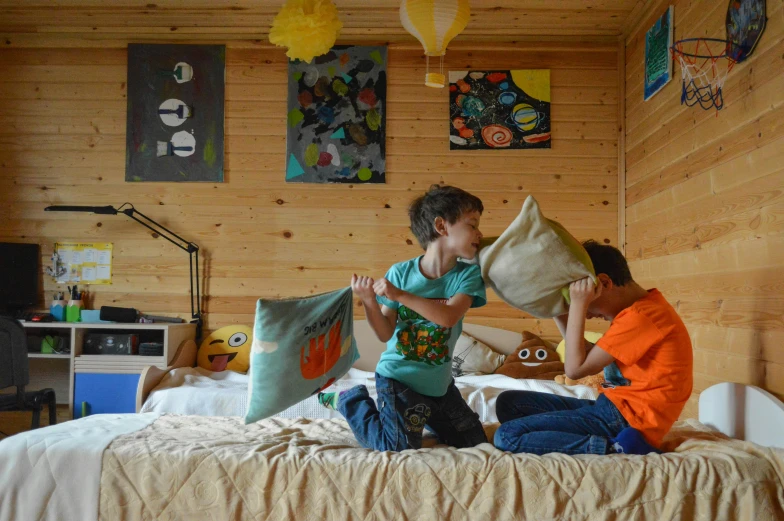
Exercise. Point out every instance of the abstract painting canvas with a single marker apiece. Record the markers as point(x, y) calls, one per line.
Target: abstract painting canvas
point(337, 117)
point(175, 113)
point(658, 58)
point(499, 109)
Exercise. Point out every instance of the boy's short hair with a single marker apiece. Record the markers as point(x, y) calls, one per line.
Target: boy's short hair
point(610, 261)
point(447, 202)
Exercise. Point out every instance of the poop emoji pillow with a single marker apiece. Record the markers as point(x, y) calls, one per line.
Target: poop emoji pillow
point(227, 348)
point(534, 358)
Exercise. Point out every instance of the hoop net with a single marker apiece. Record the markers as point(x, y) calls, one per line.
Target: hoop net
point(702, 74)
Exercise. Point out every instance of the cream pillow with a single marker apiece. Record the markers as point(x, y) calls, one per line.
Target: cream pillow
point(472, 356)
point(591, 336)
point(531, 265)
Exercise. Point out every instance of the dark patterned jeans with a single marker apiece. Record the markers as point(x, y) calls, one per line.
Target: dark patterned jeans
point(402, 414)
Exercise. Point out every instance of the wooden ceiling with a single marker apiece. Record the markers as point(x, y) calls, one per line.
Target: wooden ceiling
point(365, 20)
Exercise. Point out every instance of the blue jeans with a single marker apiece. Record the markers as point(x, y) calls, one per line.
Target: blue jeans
point(402, 414)
point(541, 423)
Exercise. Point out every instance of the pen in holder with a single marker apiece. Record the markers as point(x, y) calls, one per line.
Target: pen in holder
point(57, 309)
point(73, 312)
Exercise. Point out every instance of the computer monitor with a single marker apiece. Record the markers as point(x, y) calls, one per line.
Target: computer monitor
point(19, 273)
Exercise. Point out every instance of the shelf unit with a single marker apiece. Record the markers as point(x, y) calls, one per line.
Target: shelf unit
point(98, 376)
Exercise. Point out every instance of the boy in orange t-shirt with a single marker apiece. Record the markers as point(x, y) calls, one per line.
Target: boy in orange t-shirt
point(646, 355)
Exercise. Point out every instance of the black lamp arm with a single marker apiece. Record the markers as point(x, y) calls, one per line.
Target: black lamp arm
point(108, 210)
point(190, 247)
point(183, 244)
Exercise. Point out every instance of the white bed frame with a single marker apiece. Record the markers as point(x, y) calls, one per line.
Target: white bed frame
point(739, 411)
point(744, 412)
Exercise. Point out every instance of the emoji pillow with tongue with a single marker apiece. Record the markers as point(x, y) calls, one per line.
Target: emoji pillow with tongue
point(534, 358)
point(227, 348)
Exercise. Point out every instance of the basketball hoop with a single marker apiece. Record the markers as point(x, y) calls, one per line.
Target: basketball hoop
point(702, 75)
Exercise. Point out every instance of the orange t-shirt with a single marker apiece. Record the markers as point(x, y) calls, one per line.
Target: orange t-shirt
point(652, 348)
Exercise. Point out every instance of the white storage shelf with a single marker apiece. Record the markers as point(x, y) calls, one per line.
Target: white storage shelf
point(62, 375)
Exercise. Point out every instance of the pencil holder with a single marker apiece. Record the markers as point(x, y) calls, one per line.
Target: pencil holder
point(57, 309)
point(74, 311)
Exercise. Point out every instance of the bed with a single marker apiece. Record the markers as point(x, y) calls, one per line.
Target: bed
point(166, 466)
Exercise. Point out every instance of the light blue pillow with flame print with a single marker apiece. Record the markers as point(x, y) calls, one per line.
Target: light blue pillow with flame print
point(300, 346)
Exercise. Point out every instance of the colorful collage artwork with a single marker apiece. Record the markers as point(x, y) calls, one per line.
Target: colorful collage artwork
point(337, 117)
point(499, 109)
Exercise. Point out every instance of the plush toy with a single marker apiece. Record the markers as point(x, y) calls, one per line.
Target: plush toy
point(226, 348)
point(594, 381)
point(534, 358)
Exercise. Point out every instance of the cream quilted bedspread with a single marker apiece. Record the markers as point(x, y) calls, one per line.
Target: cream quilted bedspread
point(216, 468)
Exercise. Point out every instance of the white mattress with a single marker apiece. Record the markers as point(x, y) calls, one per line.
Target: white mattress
point(53, 473)
point(197, 391)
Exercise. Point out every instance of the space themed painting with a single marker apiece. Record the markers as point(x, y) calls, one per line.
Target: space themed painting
point(499, 109)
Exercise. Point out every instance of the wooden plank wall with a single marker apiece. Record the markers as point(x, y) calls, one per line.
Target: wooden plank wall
point(62, 141)
point(705, 202)
point(35, 22)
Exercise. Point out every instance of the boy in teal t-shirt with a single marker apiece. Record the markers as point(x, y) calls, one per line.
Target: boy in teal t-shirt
point(418, 309)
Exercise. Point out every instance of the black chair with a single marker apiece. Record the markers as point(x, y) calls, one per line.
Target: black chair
point(15, 372)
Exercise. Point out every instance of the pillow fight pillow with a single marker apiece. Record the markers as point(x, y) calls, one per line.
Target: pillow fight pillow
point(531, 265)
point(472, 356)
point(300, 346)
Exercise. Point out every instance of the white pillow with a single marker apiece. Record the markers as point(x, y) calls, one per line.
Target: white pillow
point(474, 357)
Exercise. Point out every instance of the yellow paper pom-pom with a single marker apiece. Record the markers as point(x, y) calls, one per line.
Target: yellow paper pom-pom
point(308, 28)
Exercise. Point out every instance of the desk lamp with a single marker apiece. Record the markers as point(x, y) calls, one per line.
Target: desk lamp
point(164, 232)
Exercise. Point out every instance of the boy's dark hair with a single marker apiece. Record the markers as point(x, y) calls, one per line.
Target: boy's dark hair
point(610, 261)
point(447, 202)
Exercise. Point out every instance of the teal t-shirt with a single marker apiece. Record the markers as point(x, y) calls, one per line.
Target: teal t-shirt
point(419, 354)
